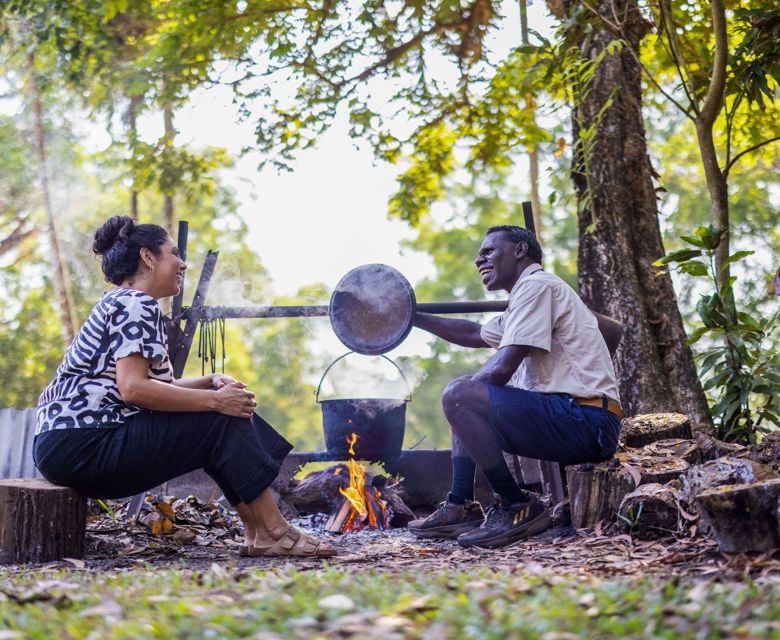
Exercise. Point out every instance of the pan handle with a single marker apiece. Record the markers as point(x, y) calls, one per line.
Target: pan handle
point(381, 355)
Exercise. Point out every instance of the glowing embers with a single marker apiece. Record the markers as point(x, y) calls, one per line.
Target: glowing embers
point(363, 506)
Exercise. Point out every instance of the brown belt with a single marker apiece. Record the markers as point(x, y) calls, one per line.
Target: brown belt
point(612, 406)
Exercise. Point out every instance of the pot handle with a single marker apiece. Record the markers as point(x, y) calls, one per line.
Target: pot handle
point(382, 355)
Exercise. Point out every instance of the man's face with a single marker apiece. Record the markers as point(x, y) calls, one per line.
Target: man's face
point(497, 261)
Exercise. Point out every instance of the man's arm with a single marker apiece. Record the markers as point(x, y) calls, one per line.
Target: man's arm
point(611, 330)
point(499, 369)
point(461, 332)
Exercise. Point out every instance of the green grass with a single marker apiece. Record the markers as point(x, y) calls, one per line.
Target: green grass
point(264, 604)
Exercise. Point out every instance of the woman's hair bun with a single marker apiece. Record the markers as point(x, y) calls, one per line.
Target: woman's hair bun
point(117, 228)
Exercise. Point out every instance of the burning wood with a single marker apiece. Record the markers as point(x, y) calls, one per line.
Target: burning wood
point(363, 506)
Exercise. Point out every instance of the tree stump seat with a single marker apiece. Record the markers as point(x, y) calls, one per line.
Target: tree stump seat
point(596, 491)
point(40, 522)
point(743, 517)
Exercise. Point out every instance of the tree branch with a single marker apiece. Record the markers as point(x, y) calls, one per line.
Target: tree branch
point(714, 98)
point(17, 236)
point(677, 57)
point(668, 96)
point(746, 151)
point(396, 52)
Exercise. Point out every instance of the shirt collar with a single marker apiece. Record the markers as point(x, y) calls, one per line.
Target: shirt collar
point(530, 269)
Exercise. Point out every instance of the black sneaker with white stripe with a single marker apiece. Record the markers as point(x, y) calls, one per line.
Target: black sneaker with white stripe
point(507, 522)
point(449, 521)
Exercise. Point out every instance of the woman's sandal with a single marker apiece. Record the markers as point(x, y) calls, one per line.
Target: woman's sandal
point(293, 543)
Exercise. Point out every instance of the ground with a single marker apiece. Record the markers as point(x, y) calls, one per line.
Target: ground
point(213, 533)
point(561, 585)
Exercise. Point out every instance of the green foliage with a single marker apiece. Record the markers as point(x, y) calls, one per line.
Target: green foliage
point(17, 200)
point(736, 367)
point(417, 82)
point(269, 601)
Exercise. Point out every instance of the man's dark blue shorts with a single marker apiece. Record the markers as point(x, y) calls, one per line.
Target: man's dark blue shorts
point(552, 426)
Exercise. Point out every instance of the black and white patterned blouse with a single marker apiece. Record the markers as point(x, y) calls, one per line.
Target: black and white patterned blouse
point(84, 392)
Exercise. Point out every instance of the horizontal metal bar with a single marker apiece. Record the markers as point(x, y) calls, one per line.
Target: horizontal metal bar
point(278, 311)
point(462, 307)
point(313, 311)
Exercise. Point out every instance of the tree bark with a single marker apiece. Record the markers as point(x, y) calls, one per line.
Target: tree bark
point(132, 127)
point(743, 517)
point(620, 236)
point(61, 275)
point(651, 511)
point(169, 134)
point(705, 121)
point(644, 429)
point(533, 154)
point(596, 491)
point(40, 522)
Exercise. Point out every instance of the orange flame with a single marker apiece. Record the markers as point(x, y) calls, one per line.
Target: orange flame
point(352, 441)
point(353, 493)
point(368, 509)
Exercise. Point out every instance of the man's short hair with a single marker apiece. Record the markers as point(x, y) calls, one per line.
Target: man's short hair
point(519, 234)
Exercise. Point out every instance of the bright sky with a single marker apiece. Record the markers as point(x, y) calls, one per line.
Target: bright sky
point(332, 209)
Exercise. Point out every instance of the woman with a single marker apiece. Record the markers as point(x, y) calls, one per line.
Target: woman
point(114, 422)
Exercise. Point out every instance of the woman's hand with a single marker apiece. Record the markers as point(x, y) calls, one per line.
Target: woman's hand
point(233, 399)
point(219, 380)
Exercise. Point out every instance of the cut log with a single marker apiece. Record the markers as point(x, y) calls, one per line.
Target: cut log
point(651, 511)
point(725, 471)
point(597, 490)
point(318, 492)
point(40, 522)
point(339, 517)
point(767, 451)
point(712, 448)
point(743, 517)
point(400, 514)
point(686, 450)
point(643, 429)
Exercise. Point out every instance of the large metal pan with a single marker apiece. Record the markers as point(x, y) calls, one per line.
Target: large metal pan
point(372, 309)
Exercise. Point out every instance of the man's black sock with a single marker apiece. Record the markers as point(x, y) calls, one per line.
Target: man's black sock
point(501, 481)
point(463, 469)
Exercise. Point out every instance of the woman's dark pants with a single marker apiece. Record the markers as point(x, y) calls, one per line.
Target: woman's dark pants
point(242, 455)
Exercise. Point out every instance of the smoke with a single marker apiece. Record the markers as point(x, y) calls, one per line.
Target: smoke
point(357, 377)
point(230, 287)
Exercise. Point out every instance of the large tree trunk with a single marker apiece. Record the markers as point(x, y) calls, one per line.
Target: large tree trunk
point(61, 275)
point(170, 132)
point(132, 134)
point(620, 236)
point(533, 153)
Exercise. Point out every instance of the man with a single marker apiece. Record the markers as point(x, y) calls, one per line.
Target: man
point(549, 392)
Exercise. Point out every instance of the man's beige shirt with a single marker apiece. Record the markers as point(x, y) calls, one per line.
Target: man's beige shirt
point(568, 353)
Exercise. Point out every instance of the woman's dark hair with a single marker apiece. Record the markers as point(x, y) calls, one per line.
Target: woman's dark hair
point(119, 241)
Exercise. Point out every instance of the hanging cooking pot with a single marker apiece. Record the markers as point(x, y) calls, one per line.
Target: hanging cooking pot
point(372, 309)
point(378, 423)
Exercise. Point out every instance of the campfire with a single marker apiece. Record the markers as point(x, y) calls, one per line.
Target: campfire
point(362, 505)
